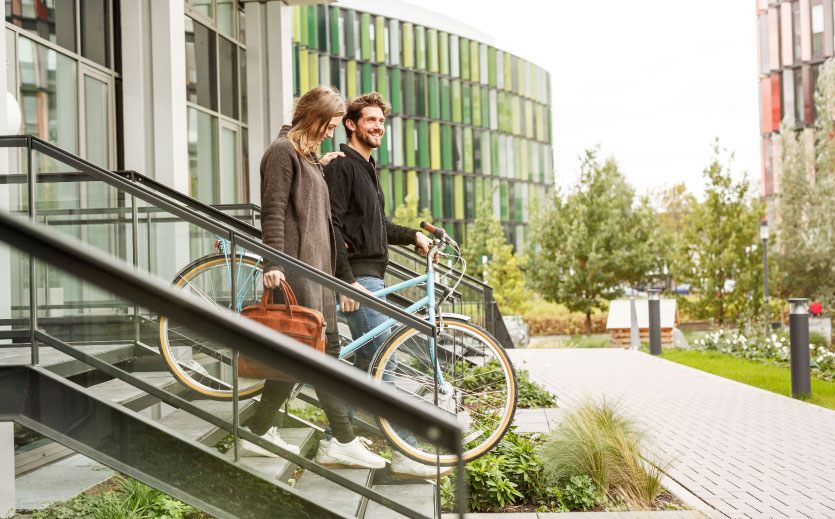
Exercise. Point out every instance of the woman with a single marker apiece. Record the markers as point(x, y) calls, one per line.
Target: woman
point(296, 220)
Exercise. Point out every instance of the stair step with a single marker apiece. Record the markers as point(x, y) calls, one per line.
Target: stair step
point(64, 365)
point(324, 492)
point(132, 397)
point(419, 497)
point(196, 429)
point(279, 468)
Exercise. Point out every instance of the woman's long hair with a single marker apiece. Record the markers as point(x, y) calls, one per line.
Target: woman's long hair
point(311, 117)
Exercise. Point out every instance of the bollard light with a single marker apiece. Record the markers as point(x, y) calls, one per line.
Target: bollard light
point(799, 344)
point(654, 305)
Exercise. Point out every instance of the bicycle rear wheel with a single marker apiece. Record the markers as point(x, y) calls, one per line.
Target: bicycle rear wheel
point(203, 365)
point(481, 386)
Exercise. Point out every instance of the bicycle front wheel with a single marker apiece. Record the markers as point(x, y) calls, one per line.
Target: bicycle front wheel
point(203, 365)
point(479, 379)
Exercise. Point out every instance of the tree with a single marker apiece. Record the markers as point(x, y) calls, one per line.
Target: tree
point(806, 202)
point(594, 240)
point(720, 253)
point(407, 213)
point(502, 270)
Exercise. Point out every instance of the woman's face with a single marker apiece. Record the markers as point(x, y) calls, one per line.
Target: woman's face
point(332, 125)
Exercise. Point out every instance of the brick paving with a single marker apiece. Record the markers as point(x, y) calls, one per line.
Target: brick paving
point(747, 452)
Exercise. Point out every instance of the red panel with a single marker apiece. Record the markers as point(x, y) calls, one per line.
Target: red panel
point(776, 116)
point(765, 92)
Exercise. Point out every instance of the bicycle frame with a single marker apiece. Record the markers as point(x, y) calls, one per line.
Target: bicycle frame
point(427, 302)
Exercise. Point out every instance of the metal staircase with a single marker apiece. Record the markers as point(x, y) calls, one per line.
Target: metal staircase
point(84, 369)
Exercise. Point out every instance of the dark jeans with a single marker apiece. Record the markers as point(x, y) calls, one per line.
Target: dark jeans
point(276, 392)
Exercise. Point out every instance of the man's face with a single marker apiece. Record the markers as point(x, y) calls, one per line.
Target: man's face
point(371, 126)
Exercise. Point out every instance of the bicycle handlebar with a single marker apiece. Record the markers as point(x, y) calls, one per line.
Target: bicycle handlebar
point(438, 232)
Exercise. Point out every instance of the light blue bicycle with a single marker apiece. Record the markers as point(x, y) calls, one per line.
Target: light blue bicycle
point(473, 375)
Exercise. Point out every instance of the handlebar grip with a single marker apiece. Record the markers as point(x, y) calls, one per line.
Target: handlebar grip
point(438, 232)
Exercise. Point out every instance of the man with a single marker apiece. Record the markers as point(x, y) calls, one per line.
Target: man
point(363, 234)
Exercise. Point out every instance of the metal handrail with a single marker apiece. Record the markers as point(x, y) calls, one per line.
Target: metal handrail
point(261, 343)
point(184, 207)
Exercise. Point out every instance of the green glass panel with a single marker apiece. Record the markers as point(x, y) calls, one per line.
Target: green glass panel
point(468, 150)
point(516, 112)
point(503, 200)
point(500, 110)
point(517, 158)
point(421, 95)
point(435, 145)
point(380, 39)
point(322, 27)
point(476, 103)
point(398, 189)
point(326, 146)
point(408, 33)
point(446, 147)
point(423, 144)
point(445, 108)
point(434, 105)
point(449, 196)
point(313, 69)
point(409, 100)
point(365, 36)
point(366, 78)
point(297, 24)
point(464, 49)
point(351, 79)
point(456, 101)
point(475, 73)
point(385, 185)
point(396, 91)
point(494, 154)
point(312, 28)
point(491, 66)
point(432, 49)
point(296, 83)
point(518, 201)
point(469, 198)
point(335, 47)
point(478, 193)
point(382, 81)
point(412, 183)
point(443, 53)
point(437, 197)
point(304, 73)
point(466, 107)
point(485, 108)
point(529, 119)
point(383, 151)
point(508, 83)
point(303, 25)
point(420, 47)
point(524, 170)
point(350, 34)
point(409, 141)
point(521, 65)
point(458, 183)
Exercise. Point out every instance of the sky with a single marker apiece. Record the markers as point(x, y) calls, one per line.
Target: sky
point(653, 82)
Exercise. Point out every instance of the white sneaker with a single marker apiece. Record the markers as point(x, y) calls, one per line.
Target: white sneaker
point(403, 467)
point(249, 449)
point(351, 455)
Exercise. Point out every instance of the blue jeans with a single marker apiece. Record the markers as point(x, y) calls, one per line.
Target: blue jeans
point(365, 319)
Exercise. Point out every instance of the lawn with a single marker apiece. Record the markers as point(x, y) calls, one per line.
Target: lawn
point(597, 340)
point(765, 376)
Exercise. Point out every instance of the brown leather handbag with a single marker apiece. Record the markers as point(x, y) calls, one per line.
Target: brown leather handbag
point(306, 325)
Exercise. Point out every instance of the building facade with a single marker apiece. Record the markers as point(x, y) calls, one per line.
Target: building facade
point(191, 92)
point(794, 38)
point(468, 121)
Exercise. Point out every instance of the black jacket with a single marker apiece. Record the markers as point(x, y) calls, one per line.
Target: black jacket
point(360, 227)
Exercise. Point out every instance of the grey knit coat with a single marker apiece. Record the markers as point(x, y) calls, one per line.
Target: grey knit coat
point(296, 220)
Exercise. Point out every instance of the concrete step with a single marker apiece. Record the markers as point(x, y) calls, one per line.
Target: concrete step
point(325, 492)
point(419, 497)
point(64, 365)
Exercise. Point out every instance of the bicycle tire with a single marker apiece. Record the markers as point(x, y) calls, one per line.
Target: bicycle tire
point(466, 349)
point(196, 362)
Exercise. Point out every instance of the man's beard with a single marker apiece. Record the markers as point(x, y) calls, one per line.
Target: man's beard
point(365, 138)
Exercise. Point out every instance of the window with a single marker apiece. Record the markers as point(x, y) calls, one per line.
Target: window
point(817, 29)
point(216, 94)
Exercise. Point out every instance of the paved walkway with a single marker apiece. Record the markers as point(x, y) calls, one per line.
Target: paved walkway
point(747, 452)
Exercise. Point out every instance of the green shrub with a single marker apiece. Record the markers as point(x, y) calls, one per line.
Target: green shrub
point(132, 500)
point(489, 487)
point(598, 441)
point(530, 394)
point(580, 493)
point(564, 324)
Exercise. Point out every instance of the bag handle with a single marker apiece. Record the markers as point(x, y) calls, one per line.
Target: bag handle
point(289, 297)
